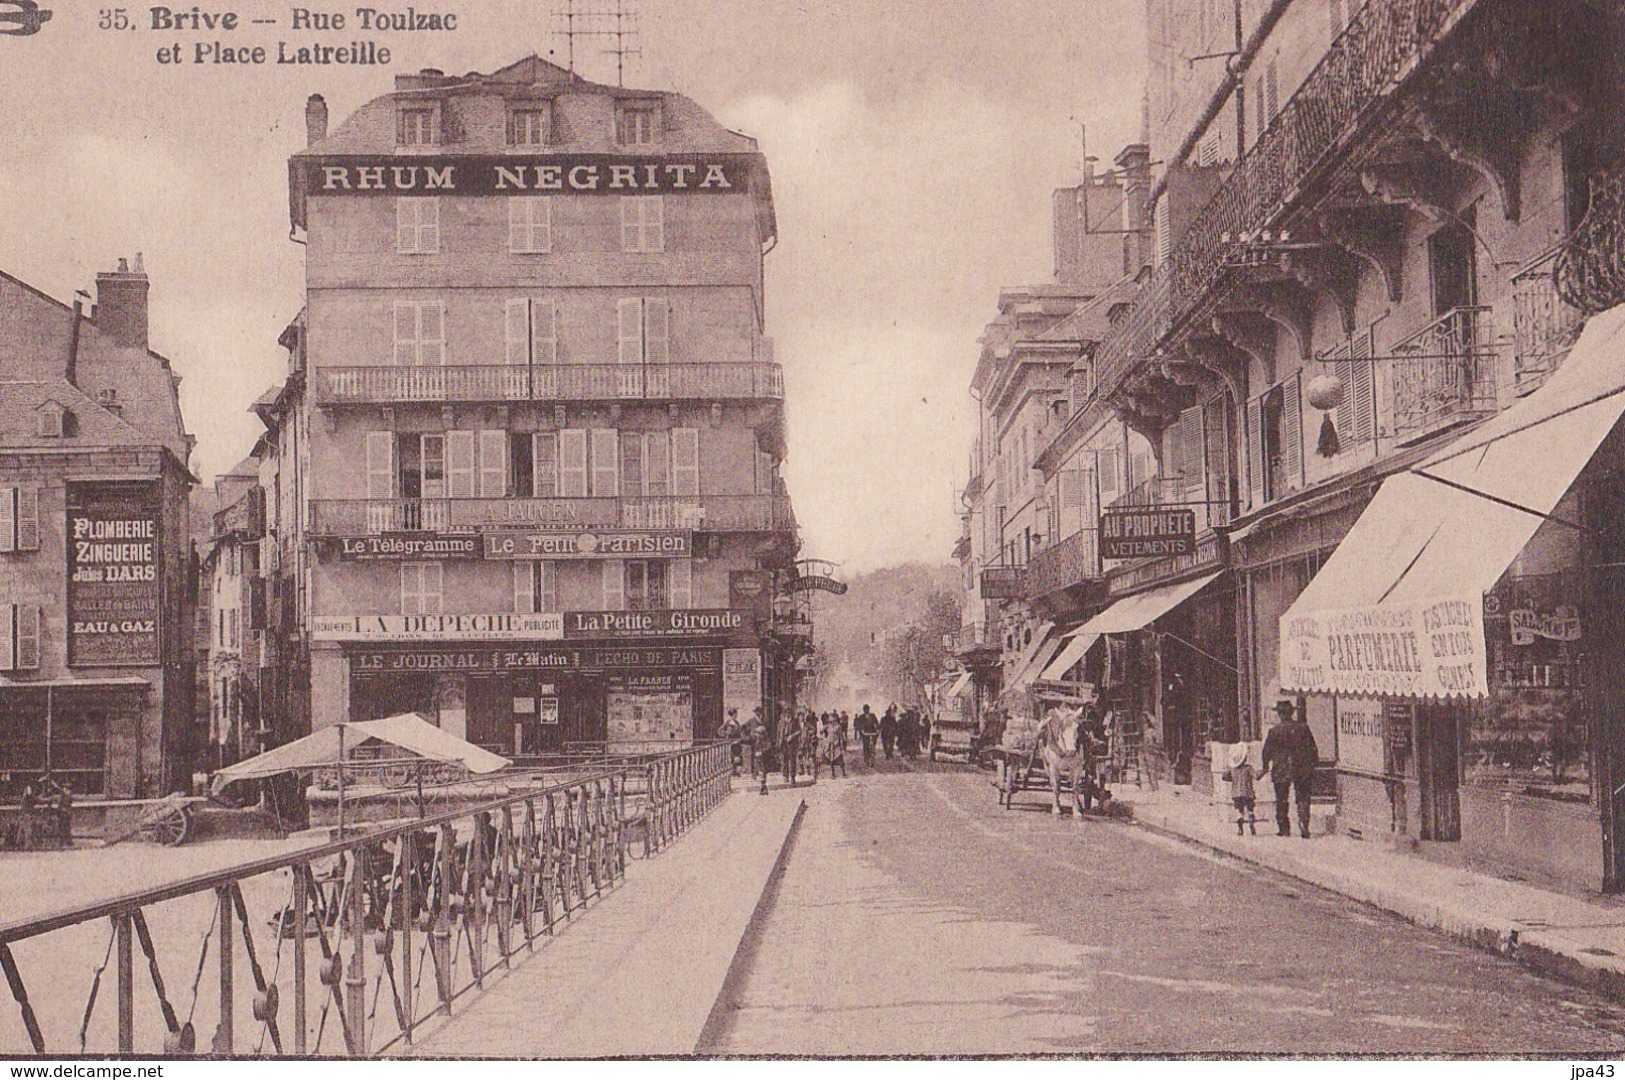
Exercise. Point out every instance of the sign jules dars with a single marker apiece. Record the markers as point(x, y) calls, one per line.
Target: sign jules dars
point(114, 605)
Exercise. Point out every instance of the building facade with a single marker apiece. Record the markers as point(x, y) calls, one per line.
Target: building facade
point(538, 420)
point(96, 622)
point(1378, 232)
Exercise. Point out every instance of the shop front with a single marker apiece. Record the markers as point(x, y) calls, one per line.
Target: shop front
point(1468, 636)
point(94, 737)
point(1167, 658)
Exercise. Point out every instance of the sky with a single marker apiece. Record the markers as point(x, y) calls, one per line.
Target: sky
point(914, 146)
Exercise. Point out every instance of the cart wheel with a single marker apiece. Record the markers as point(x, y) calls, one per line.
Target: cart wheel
point(170, 831)
point(931, 752)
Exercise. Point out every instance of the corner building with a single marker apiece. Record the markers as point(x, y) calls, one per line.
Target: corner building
point(542, 474)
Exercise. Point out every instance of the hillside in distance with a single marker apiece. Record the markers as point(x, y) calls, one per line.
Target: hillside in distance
point(851, 631)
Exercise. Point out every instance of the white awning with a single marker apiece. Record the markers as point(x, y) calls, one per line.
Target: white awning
point(1032, 661)
point(1142, 609)
point(1398, 608)
point(960, 686)
point(330, 745)
point(1076, 648)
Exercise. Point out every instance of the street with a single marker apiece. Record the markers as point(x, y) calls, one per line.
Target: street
point(916, 917)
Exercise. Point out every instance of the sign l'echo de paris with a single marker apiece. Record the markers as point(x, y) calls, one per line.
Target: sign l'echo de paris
point(1147, 532)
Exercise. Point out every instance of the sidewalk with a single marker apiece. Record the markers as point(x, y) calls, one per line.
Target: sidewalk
point(639, 973)
point(1579, 940)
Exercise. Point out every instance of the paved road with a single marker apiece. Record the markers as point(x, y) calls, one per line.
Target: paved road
point(916, 917)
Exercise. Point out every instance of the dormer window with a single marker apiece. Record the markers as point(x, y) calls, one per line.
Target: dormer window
point(108, 399)
point(636, 123)
point(50, 417)
point(416, 127)
point(528, 125)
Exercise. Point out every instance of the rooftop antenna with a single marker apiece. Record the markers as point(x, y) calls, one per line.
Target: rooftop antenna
point(617, 22)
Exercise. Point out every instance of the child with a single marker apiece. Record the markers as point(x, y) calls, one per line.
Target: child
point(1242, 775)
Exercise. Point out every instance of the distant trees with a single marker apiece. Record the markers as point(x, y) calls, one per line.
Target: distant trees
point(914, 656)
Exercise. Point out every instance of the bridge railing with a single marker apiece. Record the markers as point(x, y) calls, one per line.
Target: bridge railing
point(344, 948)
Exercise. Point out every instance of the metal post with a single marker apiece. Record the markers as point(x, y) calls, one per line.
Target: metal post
point(301, 901)
point(223, 1039)
point(355, 979)
point(407, 920)
point(126, 987)
point(341, 781)
point(441, 944)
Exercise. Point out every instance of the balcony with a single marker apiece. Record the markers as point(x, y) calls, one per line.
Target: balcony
point(1061, 566)
point(1384, 43)
point(709, 513)
point(976, 637)
point(1156, 491)
point(1444, 374)
point(559, 382)
point(1544, 323)
point(1134, 340)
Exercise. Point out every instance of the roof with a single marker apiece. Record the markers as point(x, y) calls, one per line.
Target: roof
point(96, 426)
point(1091, 322)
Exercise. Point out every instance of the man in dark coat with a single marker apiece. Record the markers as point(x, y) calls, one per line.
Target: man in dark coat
point(888, 730)
point(867, 726)
point(1290, 757)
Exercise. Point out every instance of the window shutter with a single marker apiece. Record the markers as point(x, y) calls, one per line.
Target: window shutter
point(685, 461)
point(544, 447)
point(614, 573)
point(547, 596)
point(544, 332)
point(573, 463)
point(629, 318)
point(1292, 431)
point(1106, 462)
point(1342, 370)
point(8, 641)
point(606, 463)
point(434, 588)
point(411, 588)
point(1363, 391)
point(27, 519)
point(380, 464)
point(1255, 452)
point(631, 224)
point(460, 466)
point(29, 618)
point(1195, 454)
point(1272, 81)
point(654, 223)
point(8, 519)
point(631, 463)
point(680, 582)
point(493, 464)
point(432, 333)
point(524, 587)
point(657, 463)
point(517, 329)
point(406, 333)
point(406, 226)
point(1069, 503)
point(656, 331)
point(530, 224)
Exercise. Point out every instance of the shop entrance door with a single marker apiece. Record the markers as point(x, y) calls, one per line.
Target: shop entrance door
point(1438, 742)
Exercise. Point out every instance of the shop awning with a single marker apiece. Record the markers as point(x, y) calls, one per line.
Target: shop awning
point(1398, 609)
point(1142, 609)
point(326, 747)
point(960, 687)
point(1076, 646)
point(1045, 642)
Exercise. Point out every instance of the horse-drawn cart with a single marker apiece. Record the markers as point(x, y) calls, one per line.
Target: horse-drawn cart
point(1056, 755)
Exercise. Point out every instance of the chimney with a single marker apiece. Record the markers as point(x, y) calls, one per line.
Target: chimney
point(315, 119)
point(71, 372)
point(121, 304)
point(1134, 165)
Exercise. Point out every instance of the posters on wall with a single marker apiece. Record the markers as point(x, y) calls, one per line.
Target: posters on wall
point(650, 711)
point(1360, 743)
point(741, 682)
point(1427, 648)
point(114, 603)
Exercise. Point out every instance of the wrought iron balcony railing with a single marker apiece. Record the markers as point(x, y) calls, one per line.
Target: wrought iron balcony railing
point(1444, 374)
point(710, 513)
point(1383, 43)
point(1590, 268)
point(976, 637)
point(1060, 566)
point(1133, 341)
point(558, 382)
point(1544, 323)
point(1155, 491)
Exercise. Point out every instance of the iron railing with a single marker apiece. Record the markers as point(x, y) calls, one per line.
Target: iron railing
point(340, 939)
point(1154, 491)
point(557, 382)
point(1059, 566)
point(1133, 341)
point(1544, 323)
point(712, 513)
point(1444, 374)
point(976, 636)
point(1384, 42)
point(1590, 268)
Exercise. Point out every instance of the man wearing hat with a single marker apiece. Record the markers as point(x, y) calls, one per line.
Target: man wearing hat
point(1290, 757)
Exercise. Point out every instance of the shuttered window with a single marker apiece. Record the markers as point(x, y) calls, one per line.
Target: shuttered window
point(417, 225)
point(545, 464)
point(1292, 433)
point(420, 332)
point(614, 585)
point(632, 462)
point(535, 587)
point(1106, 464)
point(422, 588)
point(685, 462)
point(530, 224)
point(8, 637)
point(1362, 391)
point(573, 463)
point(680, 581)
point(493, 464)
point(516, 330)
point(606, 463)
point(1071, 491)
point(643, 330)
point(1256, 464)
point(643, 223)
point(657, 463)
point(461, 470)
point(380, 464)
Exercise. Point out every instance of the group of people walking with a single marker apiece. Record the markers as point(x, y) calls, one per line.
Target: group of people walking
point(807, 742)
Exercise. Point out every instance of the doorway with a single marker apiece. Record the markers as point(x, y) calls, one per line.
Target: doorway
point(1438, 763)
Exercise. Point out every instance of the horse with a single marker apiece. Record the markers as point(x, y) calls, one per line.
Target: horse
point(1064, 744)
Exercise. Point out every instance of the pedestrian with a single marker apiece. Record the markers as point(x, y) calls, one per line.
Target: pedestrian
point(1290, 757)
point(1243, 796)
point(832, 748)
point(888, 730)
point(761, 741)
point(734, 733)
point(907, 734)
point(846, 723)
point(868, 729)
